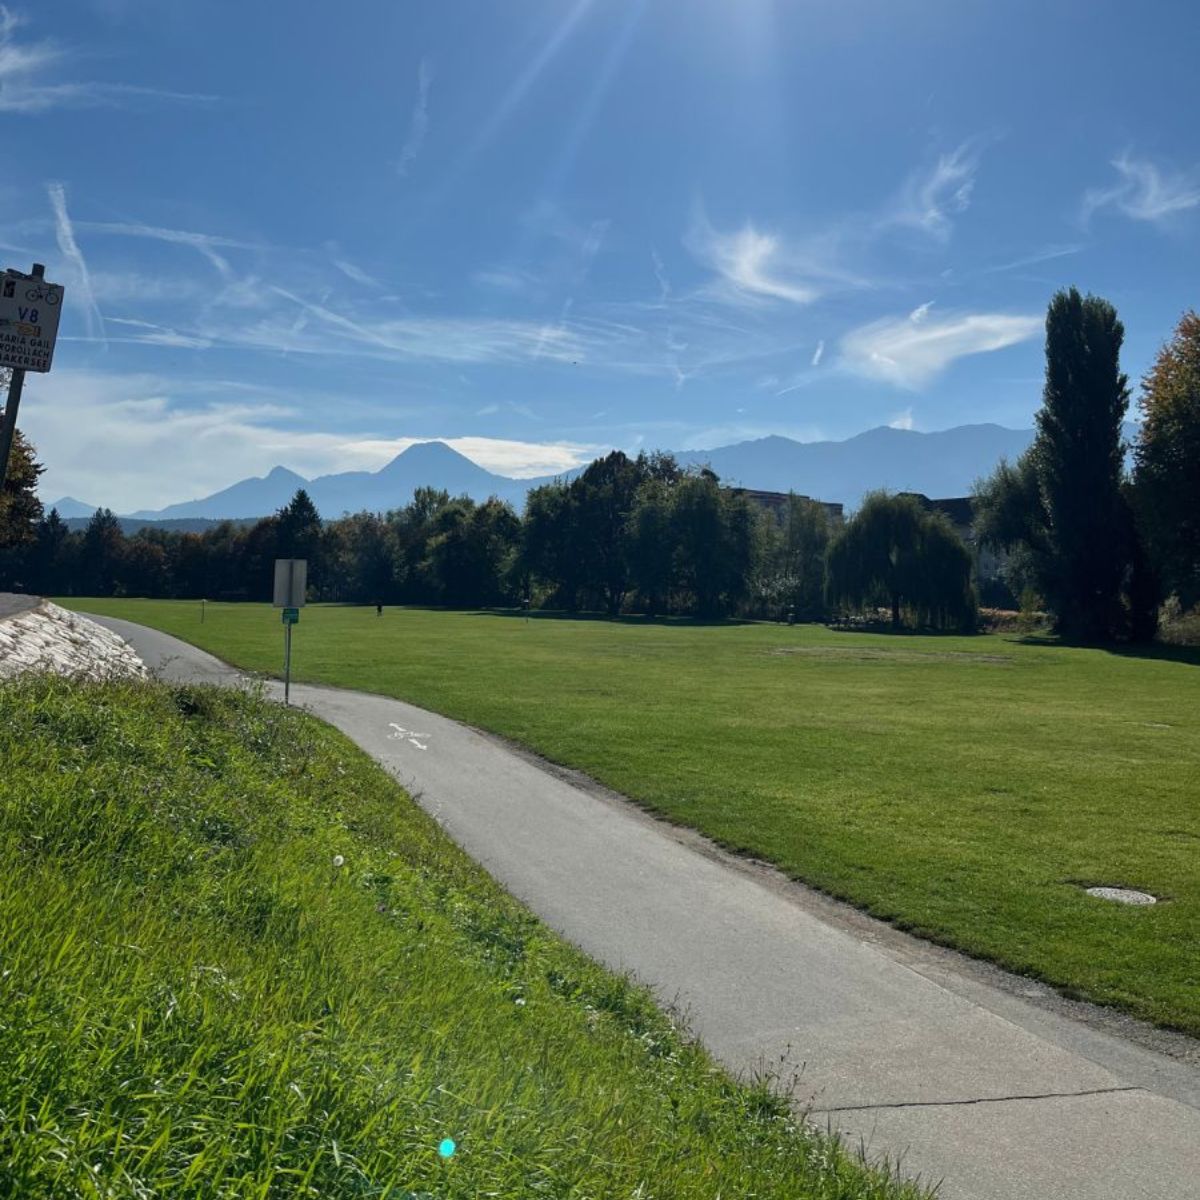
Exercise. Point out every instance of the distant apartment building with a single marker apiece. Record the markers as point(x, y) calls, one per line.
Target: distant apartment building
point(961, 513)
point(776, 502)
point(958, 509)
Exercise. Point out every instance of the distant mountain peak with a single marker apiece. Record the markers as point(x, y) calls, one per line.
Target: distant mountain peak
point(68, 506)
point(943, 463)
point(430, 452)
point(442, 465)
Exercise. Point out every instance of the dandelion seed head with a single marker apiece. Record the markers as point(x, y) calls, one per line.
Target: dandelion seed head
point(339, 860)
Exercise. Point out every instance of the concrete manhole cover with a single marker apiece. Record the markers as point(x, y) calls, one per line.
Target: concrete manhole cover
point(1121, 895)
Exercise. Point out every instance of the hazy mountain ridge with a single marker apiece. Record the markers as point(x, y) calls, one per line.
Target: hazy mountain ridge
point(943, 463)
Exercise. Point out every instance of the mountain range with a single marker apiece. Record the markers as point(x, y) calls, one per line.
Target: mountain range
point(940, 464)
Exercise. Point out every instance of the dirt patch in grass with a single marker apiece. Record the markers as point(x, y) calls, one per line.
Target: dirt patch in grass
point(882, 654)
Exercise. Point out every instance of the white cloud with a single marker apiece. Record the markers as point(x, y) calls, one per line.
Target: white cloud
point(753, 266)
point(149, 334)
point(356, 274)
point(660, 274)
point(443, 339)
point(507, 279)
point(910, 352)
point(28, 83)
point(69, 248)
point(119, 287)
point(203, 243)
point(418, 123)
point(157, 445)
point(523, 460)
point(818, 353)
point(1144, 192)
point(932, 197)
point(902, 420)
point(1045, 254)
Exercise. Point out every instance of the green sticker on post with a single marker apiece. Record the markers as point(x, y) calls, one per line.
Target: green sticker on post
point(291, 616)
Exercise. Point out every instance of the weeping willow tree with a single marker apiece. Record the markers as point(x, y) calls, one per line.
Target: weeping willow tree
point(893, 553)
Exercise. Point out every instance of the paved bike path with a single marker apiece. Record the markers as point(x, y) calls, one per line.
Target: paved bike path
point(963, 1083)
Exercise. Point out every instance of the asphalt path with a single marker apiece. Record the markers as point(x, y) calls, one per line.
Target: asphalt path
point(13, 605)
point(914, 1055)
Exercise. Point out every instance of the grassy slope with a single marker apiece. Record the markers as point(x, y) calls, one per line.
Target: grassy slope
point(960, 787)
point(196, 1001)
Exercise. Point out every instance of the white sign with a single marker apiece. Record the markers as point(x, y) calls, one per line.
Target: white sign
point(291, 581)
point(29, 309)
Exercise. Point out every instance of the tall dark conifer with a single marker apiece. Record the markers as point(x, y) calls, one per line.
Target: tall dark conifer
point(1078, 459)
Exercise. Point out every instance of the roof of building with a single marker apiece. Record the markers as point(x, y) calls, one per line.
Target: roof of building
point(775, 500)
point(960, 509)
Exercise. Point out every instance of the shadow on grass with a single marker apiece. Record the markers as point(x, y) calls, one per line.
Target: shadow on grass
point(1152, 651)
point(1159, 651)
point(886, 627)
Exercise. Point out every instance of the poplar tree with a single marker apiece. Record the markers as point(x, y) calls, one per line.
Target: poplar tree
point(1078, 457)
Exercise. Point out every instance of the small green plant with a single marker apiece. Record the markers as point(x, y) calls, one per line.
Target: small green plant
point(1179, 626)
point(1031, 615)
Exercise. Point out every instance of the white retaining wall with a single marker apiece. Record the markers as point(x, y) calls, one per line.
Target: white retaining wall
point(49, 638)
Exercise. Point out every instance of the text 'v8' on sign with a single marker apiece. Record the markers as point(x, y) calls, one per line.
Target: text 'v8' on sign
point(29, 312)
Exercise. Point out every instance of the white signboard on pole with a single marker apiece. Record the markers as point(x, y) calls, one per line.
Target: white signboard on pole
point(29, 311)
point(291, 582)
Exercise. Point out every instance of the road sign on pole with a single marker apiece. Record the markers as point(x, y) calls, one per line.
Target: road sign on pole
point(29, 308)
point(291, 582)
point(29, 311)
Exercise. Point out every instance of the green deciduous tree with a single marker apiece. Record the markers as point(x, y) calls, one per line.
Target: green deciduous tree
point(549, 544)
point(470, 553)
point(20, 512)
point(791, 570)
point(651, 545)
point(714, 533)
point(894, 553)
point(603, 498)
point(1167, 478)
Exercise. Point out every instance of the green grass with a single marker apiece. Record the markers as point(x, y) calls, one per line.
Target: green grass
point(963, 788)
point(196, 1000)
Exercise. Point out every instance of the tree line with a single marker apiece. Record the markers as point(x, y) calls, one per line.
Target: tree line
point(1097, 546)
point(628, 535)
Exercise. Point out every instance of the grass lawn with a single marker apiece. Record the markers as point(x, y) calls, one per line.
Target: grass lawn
point(238, 961)
point(963, 788)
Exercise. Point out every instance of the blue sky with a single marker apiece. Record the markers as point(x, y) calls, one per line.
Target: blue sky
point(539, 228)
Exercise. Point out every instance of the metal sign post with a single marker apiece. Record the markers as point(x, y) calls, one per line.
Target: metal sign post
point(291, 616)
point(291, 582)
point(29, 309)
